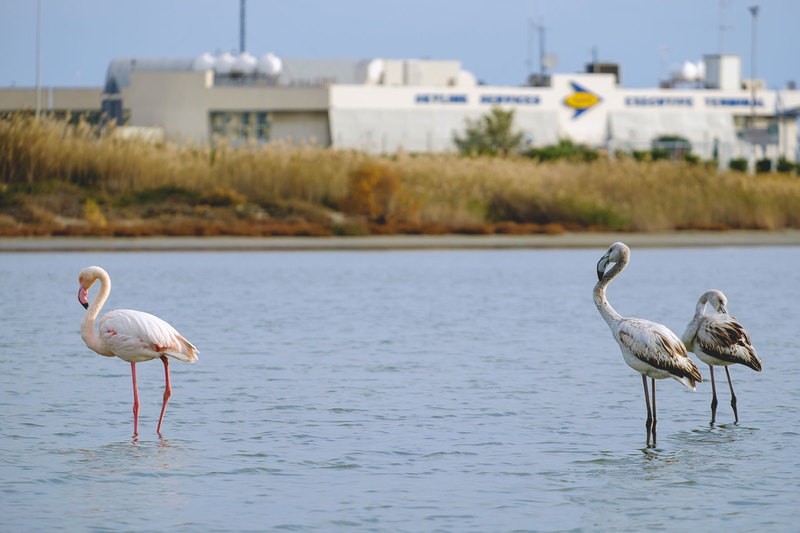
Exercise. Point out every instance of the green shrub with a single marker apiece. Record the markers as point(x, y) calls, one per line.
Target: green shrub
point(566, 150)
point(738, 164)
point(7, 197)
point(660, 153)
point(784, 165)
point(692, 159)
point(763, 166)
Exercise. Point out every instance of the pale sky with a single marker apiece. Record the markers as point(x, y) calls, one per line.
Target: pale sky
point(491, 38)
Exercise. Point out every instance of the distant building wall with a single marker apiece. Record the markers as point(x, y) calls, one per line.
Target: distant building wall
point(59, 100)
point(182, 103)
point(420, 105)
point(173, 101)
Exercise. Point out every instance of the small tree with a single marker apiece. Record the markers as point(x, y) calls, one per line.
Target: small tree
point(492, 134)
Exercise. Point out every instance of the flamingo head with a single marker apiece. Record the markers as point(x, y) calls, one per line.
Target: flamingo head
point(616, 252)
point(716, 299)
point(86, 279)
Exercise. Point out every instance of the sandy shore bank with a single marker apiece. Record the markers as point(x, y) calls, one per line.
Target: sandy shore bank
point(403, 242)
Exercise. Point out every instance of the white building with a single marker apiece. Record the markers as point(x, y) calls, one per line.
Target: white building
point(382, 106)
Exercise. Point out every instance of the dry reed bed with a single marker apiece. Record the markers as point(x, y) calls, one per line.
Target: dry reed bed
point(402, 192)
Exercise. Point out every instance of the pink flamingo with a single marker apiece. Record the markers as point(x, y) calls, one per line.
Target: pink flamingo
point(132, 336)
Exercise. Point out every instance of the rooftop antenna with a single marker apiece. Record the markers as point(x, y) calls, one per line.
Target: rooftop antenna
point(529, 59)
point(542, 62)
point(722, 26)
point(241, 25)
point(754, 13)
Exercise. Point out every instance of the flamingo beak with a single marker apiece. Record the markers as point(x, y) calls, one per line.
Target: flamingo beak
point(601, 267)
point(83, 297)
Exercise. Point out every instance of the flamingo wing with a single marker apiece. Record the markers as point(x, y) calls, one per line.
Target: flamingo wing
point(137, 336)
point(657, 346)
point(721, 336)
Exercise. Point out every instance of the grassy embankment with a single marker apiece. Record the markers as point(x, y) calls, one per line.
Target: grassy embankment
point(61, 180)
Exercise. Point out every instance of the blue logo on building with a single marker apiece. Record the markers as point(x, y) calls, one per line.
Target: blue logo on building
point(734, 102)
point(581, 100)
point(514, 99)
point(440, 98)
point(659, 101)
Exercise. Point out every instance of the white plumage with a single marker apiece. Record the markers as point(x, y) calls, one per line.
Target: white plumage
point(650, 348)
point(133, 336)
point(718, 339)
point(136, 336)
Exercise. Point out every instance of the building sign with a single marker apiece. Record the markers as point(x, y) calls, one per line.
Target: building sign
point(440, 98)
point(581, 100)
point(515, 99)
point(733, 102)
point(659, 101)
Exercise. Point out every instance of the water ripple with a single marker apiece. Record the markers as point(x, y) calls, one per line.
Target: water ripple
point(436, 391)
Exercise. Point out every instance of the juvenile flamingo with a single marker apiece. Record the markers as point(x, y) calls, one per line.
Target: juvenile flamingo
point(132, 336)
point(651, 349)
point(719, 339)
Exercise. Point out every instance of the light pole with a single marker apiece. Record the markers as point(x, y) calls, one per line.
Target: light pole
point(754, 13)
point(38, 57)
point(241, 25)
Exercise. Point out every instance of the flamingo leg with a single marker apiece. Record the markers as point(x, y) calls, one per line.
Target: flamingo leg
point(649, 422)
point(653, 429)
point(167, 392)
point(713, 396)
point(733, 397)
point(135, 401)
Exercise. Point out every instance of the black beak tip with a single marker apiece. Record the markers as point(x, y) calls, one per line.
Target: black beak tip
point(85, 305)
point(600, 275)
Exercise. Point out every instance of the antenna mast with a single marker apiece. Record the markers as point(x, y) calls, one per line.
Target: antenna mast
point(241, 25)
point(722, 26)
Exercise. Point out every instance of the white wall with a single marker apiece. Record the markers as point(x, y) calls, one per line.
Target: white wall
point(587, 108)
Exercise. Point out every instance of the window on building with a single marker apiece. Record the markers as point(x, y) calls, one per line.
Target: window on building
point(240, 126)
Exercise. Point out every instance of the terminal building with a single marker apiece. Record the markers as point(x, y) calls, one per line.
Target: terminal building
point(386, 105)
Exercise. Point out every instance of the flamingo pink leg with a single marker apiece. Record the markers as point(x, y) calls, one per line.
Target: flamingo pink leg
point(135, 401)
point(167, 393)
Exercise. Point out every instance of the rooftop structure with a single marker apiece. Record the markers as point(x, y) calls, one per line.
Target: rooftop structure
point(418, 105)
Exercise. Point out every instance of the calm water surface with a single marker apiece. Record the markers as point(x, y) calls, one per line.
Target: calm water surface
point(394, 391)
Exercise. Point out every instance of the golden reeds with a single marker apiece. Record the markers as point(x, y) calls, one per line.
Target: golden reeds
point(52, 173)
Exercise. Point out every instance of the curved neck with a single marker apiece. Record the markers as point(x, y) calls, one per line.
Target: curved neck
point(88, 333)
point(608, 313)
point(691, 329)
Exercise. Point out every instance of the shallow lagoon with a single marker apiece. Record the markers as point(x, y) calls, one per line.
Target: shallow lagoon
point(402, 391)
